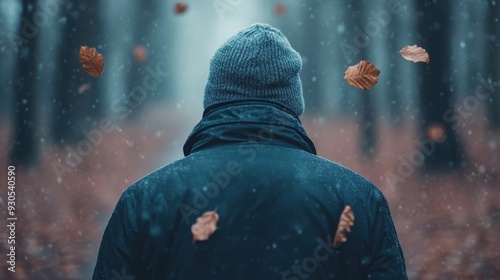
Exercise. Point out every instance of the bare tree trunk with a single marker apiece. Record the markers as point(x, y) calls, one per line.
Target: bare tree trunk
point(310, 49)
point(435, 94)
point(73, 109)
point(23, 150)
point(394, 75)
point(492, 64)
point(368, 125)
point(144, 48)
point(367, 107)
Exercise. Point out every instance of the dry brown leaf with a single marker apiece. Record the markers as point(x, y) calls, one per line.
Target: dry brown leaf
point(279, 9)
point(83, 88)
point(92, 61)
point(205, 226)
point(363, 75)
point(345, 223)
point(140, 53)
point(180, 8)
point(415, 53)
point(436, 132)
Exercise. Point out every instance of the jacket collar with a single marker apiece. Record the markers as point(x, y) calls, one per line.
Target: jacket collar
point(256, 121)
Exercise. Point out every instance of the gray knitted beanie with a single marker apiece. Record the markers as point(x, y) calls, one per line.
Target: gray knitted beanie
point(258, 62)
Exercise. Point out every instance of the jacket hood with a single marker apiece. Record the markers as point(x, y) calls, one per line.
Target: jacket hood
point(256, 121)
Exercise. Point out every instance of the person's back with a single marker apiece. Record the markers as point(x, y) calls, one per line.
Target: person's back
point(278, 204)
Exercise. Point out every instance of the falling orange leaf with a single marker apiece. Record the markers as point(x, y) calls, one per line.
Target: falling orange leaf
point(83, 88)
point(205, 226)
point(345, 223)
point(436, 132)
point(279, 9)
point(92, 61)
point(180, 8)
point(363, 75)
point(415, 53)
point(140, 53)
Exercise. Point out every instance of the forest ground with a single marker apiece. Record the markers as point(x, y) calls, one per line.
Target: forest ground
point(448, 224)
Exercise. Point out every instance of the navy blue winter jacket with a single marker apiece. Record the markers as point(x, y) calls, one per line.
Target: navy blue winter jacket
point(279, 206)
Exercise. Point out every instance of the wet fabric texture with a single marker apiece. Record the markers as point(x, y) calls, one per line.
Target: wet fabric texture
point(278, 204)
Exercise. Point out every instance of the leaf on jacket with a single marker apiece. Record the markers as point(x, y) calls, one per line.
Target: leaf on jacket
point(180, 8)
point(363, 75)
point(415, 53)
point(205, 226)
point(345, 223)
point(92, 61)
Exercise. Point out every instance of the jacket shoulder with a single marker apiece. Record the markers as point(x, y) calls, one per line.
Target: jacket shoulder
point(163, 177)
point(342, 174)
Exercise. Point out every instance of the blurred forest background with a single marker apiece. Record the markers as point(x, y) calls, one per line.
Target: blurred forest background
point(426, 134)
